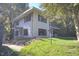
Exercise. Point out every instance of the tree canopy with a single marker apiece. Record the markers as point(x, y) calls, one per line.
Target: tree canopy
point(64, 11)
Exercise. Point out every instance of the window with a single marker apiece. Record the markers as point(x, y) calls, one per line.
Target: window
point(39, 18)
point(17, 22)
point(42, 19)
point(27, 18)
point(16, 33)
point(42, 32)
point(25, 32)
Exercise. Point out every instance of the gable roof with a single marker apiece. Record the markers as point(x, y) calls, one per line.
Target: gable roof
point(26, 13)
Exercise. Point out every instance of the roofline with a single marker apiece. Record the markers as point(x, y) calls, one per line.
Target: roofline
point(26, 12)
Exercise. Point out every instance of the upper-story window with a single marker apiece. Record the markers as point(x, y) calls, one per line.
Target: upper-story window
point(17, 22)
point(27, 18)
point(16, 33)
point(42, 19)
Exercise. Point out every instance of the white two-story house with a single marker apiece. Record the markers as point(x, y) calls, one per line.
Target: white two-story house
point(31, 24)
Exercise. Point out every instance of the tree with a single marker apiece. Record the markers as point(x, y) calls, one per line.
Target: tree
point(9, 12)
point(76, 18)
point(63, 10)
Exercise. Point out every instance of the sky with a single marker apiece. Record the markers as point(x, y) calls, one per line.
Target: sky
point(34, 5)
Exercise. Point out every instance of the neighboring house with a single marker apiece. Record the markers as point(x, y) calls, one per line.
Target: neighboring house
point(31, 24)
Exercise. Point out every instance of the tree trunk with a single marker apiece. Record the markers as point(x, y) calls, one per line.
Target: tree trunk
point(11, 22)
point(1, 33)
point(76, 22)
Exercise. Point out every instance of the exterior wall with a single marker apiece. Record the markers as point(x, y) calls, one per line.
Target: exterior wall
point(37, 24)
point(33, 25)
point(25, 25)
point(44, 26)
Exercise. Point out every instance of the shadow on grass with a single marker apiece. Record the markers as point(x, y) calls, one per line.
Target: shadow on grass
point(67, 38)
point(6, 51)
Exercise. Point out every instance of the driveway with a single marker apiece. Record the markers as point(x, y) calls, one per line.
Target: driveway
point(15, 47)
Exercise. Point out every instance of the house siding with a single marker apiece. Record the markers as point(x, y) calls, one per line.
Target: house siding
point(25, 25)
point(43, 26)
point(33, 25)
point(37, 24)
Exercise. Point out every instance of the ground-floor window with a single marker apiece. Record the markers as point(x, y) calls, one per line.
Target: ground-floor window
point(42, 32)
point(16, 33)
point(25, 31)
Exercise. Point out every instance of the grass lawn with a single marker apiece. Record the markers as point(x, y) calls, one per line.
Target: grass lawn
point(59, 47)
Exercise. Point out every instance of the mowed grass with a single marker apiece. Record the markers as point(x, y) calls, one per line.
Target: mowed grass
point(59, 47)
